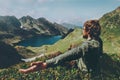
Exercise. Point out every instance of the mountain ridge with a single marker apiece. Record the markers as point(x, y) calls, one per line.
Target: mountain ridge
point(110, 23)
point(42, 26)
point(26, 27)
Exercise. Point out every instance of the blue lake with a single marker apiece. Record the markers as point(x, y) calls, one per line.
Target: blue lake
point(39, 41)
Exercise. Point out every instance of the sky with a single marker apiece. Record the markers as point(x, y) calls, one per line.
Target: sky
point(69, 11)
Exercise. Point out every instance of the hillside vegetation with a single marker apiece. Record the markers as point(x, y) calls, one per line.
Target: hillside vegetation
point(62, 45)
point(110, 23)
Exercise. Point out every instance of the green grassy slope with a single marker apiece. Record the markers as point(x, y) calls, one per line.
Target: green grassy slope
point(110, 23)
point(74, 38)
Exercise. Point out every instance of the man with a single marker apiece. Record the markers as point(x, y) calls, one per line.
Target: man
point(87, 54)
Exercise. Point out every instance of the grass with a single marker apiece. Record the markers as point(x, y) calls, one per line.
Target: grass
point(110, 69)
point(62, 45)
point(111, 43)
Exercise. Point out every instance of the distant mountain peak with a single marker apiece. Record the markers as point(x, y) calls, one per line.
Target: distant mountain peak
point(27, 17)
point(9, 23)
point(41, 26)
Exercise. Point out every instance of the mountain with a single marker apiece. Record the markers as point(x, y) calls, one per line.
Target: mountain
point(13, 30)
point(111, 20)
point(110, 23)
point(9, 27)
point(68, 25)
point(63, 30)
point(41, 26)
point(8, 55)
point(10, 30)
point(9, 23)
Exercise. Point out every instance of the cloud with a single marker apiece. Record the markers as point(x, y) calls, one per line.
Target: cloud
point(43, 1)
point(24, 1)
point(5, 3)
point(118, 0)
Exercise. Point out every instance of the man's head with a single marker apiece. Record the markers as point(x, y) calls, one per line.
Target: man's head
point(91, 28)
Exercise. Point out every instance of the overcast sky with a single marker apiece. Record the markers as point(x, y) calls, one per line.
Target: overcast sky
point(58, 10)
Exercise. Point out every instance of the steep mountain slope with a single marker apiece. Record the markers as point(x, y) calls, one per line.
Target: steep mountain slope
point(110, 23)
point(62, 29)
point(8, 26)
point(10, 29)
point(9, 23)
point(41, 26)
point(8, 55)
point(111, 20)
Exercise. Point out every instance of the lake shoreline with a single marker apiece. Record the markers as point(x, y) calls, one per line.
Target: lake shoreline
point(56, 37)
